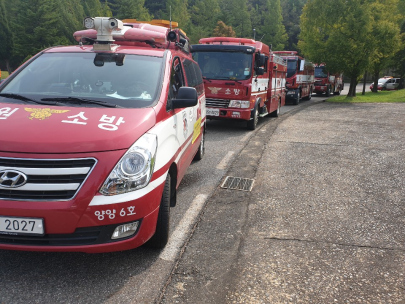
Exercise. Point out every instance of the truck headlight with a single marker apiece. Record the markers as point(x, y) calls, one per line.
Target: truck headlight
point(135, 168)
point(244, 104)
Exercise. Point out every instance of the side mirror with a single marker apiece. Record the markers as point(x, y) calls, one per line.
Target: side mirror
point(186, 97)
point(260, 60)
point(302, 65)
point(259, 71)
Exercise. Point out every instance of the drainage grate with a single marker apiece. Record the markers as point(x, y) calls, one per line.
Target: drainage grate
point(238, 183)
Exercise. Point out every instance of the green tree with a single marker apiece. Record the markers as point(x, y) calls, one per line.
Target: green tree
point(132, 9)
point(222, 30)
point(236, 14)
point(37, 26)
point(94, 8)
point(71, 18)
point(6, 37)
point(272, 26)
point(387, 39)
point(291, 11)
point(340, 34)
point(204, 15)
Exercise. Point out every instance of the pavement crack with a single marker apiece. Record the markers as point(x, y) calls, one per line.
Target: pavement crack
point(333, 243)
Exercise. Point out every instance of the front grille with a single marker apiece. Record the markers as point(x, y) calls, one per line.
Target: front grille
point(47, 179)
point(82, 236)
point(318, 83)
point(216, 103)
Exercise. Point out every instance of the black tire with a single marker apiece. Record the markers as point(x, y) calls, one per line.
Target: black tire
point(252, 124)
point(309, 96)
point(297, 99)
point(201, 148)
point(161, 236)
point(276, 113)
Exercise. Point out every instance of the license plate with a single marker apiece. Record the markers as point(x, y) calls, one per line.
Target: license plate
point(21, 225)
point(290, 93)
point(212, 112)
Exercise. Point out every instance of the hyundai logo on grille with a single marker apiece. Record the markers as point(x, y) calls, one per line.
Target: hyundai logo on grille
point(12, 179)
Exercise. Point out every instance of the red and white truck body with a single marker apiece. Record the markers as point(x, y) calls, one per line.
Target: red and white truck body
point(96, 139)
point(300, 76)
point(327, 83)
point(243, 79)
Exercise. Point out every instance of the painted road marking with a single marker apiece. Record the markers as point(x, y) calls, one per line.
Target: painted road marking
point(224, 162)
point(178, 237)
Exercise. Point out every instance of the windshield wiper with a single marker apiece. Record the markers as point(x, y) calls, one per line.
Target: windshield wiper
point(207, 78)
point(24, 98)
point(82, 100)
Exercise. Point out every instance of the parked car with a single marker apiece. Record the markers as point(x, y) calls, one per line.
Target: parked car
point(393, 84)
point(387, 83)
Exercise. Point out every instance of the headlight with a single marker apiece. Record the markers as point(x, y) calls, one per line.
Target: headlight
point(239, 104)
point(135, 168)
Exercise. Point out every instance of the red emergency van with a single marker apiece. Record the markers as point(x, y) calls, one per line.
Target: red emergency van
point(96, 138)
point(243, 78)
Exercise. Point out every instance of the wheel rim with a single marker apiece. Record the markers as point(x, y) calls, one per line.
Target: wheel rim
point(202, 145)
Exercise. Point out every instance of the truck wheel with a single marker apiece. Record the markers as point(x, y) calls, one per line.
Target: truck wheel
point(251, 124)
point(327, 91)
point(297, 99)
point(309, 96)
point(201, 147)
point(276, 113)
point(161, 236)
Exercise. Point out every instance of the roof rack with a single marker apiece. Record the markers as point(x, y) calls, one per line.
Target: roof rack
point(107, 33)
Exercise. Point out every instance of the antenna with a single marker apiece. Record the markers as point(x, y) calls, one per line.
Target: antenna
point(170, 16)
point(254, 34)
point(262, 37)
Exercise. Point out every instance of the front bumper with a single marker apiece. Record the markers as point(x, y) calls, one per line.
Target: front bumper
point(229, 113)
point(86, 222)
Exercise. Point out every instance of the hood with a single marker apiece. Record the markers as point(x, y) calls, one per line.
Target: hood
point(45, 129)
point(226, 89)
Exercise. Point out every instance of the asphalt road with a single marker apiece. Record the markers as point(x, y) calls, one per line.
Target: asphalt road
point(135, 276)
point(324, 222)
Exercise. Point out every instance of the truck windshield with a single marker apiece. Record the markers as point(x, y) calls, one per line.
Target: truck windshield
point(224, 65)
point(320, 72)
point(129, 81)
point(291, 67)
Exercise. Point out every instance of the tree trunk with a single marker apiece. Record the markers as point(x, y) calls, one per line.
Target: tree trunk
point(8, 67)
point(364, 83)
point(375, 85)
point(352, 89)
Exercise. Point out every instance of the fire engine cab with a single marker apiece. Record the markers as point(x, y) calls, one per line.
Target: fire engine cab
point(97, 137)
point(300, 77)
point(326, 82)
point(243, 79)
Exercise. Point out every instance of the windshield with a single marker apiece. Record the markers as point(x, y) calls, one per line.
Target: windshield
point(225, 65)
point(129, 81)
point(320, 72)
point(383, 80)
point(291, 67)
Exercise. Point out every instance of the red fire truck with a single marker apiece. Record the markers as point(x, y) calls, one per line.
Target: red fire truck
point(326, 82)
point(300, 77)
point(99, 137)
point(243, 79)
